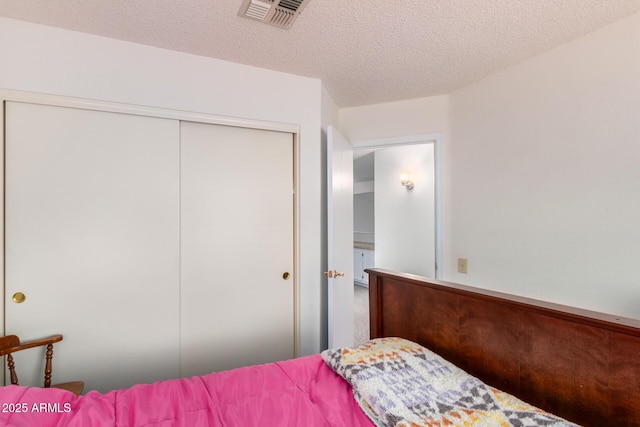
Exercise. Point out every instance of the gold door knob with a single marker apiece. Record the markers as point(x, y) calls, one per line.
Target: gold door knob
point(286, 275)
point(338, 273)
point(19, 297)
point(329, 274)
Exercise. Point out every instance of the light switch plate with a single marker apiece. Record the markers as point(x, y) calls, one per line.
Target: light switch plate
point(462, 265)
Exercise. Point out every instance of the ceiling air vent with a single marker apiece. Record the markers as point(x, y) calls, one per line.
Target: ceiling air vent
point(280, 13)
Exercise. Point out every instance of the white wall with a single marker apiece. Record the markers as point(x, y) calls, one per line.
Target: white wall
point(544, 175)
point(392, 119)
point(48, 60)
point(405, 219)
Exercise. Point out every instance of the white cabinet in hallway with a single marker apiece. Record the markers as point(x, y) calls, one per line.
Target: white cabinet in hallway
point(362, 259)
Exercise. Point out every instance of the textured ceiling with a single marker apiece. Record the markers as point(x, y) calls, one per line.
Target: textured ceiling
point(365, 51)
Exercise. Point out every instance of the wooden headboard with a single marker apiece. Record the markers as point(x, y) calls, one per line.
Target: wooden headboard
point(578, 364)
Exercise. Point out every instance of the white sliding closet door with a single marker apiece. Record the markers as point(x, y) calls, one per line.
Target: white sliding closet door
point(237, 243)
point(92, 240)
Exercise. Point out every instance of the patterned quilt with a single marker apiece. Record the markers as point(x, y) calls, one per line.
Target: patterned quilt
point(400, 383)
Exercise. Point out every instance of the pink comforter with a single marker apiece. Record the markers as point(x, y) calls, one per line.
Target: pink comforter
point(297, 392)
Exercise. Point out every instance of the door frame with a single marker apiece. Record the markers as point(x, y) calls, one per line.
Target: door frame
point(140, 110)
point(431, 138)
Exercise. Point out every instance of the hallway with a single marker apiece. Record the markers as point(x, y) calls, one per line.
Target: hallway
point(361, 314)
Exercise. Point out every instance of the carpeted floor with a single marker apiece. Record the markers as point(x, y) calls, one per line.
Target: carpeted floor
point(361, 314)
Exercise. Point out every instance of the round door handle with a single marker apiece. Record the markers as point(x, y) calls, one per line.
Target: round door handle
point(19, 297)
point(286, 275)
point(338, 273)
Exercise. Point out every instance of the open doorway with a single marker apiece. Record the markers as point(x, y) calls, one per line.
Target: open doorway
point(395, 224)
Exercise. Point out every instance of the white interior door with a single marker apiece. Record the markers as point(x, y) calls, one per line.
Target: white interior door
point(339, 239)
point(91, 238)
point(237, 225)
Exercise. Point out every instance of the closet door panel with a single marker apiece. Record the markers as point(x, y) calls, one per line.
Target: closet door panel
point(92, 240)
point(237, 242)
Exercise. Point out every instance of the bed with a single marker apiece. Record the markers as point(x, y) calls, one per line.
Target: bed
point(480, 350)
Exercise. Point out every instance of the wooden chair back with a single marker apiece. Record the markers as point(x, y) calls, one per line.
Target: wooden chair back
point(10, 344)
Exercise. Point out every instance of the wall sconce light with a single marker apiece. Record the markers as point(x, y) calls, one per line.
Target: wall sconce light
point(404, 180)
